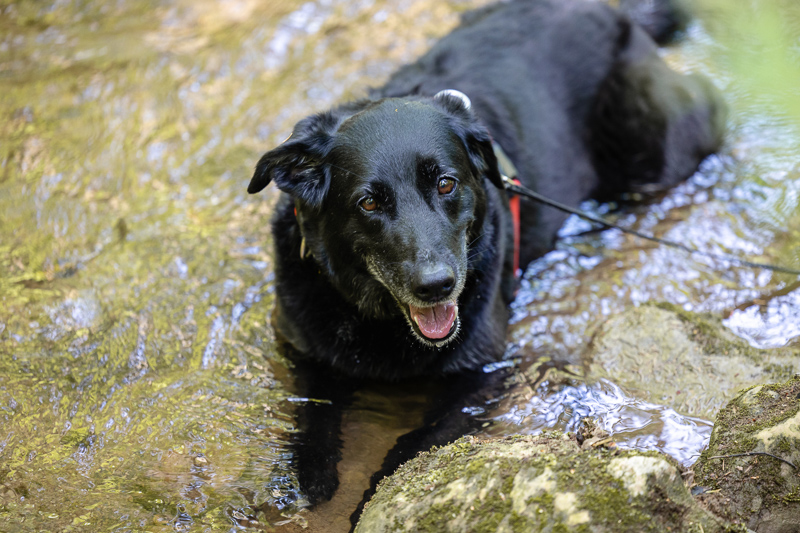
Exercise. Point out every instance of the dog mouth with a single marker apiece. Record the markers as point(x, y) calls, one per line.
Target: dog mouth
point(433, 324)
point(436, 324)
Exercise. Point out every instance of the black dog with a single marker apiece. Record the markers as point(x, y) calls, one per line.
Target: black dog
point(394, 242)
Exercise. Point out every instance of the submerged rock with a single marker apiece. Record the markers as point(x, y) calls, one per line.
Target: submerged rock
point(737, 480)
point(537, 483)
point(688, 361)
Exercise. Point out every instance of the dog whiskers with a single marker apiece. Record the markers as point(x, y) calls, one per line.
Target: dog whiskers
point(473, 241)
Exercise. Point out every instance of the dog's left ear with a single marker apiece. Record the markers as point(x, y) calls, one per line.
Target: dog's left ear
point(473, 134)
point(296, 165)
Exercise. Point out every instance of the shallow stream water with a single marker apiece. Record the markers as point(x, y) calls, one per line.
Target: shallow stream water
point(140, 386)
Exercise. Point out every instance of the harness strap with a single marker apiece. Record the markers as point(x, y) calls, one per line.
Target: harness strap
point(509, 174)
point(513, 205)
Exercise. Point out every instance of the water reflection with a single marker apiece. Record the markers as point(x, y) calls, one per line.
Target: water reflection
point(140, 385)
point(633, 423)
point(769, 324)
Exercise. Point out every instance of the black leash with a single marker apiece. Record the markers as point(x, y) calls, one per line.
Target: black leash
point(509, 172)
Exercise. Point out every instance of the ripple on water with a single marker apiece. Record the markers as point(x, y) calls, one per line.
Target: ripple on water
point(140, 386)
point(632, 423)
point(768, 324)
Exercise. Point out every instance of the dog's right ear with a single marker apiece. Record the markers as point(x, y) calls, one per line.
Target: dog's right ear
point(296, 166)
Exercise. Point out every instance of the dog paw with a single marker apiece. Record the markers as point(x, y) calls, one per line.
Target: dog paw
point(318, 478)
point(320, 488)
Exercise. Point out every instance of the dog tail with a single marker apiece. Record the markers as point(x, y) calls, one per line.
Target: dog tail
point(663, 20)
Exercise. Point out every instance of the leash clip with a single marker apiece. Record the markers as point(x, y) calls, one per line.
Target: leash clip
point(508, 172)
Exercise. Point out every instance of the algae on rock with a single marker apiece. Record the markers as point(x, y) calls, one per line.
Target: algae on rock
point(761, 491)
point(536, 483)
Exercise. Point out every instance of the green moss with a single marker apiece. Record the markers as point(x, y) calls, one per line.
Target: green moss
point(778, 370)
point(478, 486)
point(782, 444)
point(562, 528)
point(607, 500)
point(520, 523)
point(435, 519)
point(489, 518)
point(746, 479)
point(705, 330)
point(736, 425)
point(791, 497)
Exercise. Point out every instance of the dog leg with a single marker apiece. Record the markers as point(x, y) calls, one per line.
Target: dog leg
point(650, 127)
point(317, 444)
point(448, 420)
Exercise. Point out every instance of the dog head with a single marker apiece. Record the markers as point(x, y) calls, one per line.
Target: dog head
point(390, 198)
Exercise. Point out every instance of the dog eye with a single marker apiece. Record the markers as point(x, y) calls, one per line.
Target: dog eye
point(446, 185)
point(368, 204)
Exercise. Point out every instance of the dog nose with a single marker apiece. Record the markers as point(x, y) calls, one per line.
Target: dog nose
point(434, 282)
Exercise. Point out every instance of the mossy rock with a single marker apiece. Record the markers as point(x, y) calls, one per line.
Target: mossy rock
point(759, 490)
point(688, 361)
point(543, 483)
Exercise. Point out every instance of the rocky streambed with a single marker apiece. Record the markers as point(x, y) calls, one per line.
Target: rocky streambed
point(141, 385)
point(748, 478)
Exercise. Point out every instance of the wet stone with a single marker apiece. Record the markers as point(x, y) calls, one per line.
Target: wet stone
point(536, 483)
point(737, 481)
point(687, 360)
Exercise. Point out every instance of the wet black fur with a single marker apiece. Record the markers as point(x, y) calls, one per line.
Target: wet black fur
point(578, 98)
point(331, 307)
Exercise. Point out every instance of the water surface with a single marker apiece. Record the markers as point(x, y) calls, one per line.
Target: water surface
point(140, 386)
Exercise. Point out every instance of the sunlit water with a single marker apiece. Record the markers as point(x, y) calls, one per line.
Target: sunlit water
point(140, 388)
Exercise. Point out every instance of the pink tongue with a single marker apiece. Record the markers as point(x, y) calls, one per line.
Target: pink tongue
point(434, 322)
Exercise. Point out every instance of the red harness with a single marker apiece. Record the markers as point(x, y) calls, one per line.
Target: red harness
point(508, 172)
point(513, 205)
